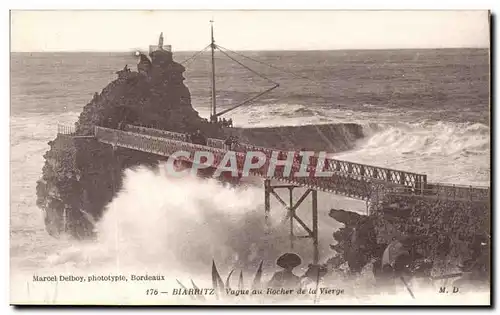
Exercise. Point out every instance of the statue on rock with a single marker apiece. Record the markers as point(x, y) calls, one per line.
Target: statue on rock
point(160, 42)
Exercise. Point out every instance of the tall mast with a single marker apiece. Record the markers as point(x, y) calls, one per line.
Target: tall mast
point(212, 46)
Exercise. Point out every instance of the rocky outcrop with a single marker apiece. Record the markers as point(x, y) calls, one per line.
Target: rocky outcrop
point(445, 231)
point(331, 138)
point(356, 241)
point(447, 227)
point(155, 98)
point(81, 175)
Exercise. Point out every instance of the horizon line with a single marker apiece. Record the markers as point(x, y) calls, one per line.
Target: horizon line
point(255, 50)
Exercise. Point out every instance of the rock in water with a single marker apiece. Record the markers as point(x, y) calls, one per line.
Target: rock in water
point(444, 231)
point(81, 175)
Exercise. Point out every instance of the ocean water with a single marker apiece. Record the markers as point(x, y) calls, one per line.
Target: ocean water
point(424, 111)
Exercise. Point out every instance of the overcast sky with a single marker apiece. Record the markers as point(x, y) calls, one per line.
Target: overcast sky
point(247, 30)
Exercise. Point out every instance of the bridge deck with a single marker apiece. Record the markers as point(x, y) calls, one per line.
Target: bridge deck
point(353, 180)
point(392, 176)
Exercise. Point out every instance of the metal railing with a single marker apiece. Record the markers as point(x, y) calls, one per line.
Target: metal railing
point(360, 171)
point(65, 130)
point(158, 132)
point(353, 179)
point(154, 144)
point(340, 183)
point(212, 142)
point(458, 192)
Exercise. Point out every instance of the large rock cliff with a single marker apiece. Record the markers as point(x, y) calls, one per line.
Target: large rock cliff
point(81, 175)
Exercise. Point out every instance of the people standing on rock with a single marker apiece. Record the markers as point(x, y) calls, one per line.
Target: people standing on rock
point(286, 278)
point(230, 123)
point(234, 145)
point(124, 72)
point(121, 125)
point(228, 144)
point(213, 119)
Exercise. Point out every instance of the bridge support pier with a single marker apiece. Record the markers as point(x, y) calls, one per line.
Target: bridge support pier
point(312, 232)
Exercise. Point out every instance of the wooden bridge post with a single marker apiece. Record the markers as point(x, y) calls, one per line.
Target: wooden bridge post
point(267, 202)
point(315, 226)
point(424, 184)
point(418, 184)
point(416, 188)
point(292, 217)
point(292, 213)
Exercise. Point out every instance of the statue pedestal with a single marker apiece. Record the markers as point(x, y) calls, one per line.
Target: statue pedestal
point(156, 47)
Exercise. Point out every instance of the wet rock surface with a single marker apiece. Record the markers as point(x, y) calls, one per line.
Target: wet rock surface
point(447, 232)
point(81, 175)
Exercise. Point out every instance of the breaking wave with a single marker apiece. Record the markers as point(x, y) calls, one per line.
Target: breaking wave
point(177, 226)
point(456, 153)
point(428, 138)
point(182, 224)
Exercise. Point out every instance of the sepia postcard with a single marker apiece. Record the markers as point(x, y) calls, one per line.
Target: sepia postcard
point(250, 157)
